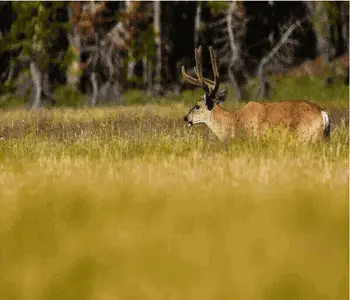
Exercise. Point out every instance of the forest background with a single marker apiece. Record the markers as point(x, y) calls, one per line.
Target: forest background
point(95, 53)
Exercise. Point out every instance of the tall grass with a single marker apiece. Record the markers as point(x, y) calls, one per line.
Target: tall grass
point(128, 203)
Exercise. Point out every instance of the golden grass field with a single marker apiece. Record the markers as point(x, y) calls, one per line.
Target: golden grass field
point(128, 203)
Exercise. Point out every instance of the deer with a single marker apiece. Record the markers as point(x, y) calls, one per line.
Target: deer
point(303, 118)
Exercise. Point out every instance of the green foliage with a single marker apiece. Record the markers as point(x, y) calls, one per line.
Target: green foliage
point(68, 96)
point(146, 41)
point(70, 56)
point(307, 88)
point(202, 27)
point(133, 96)
point(217, 7)
point(34, 33)
point(326, 13)
point(143, 47)
point(34, 29)
point(7, 102)
point(301, 88)
point(332, 11)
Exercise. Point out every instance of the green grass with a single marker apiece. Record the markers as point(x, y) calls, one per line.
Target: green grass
point(128, 203)
point(308, 88)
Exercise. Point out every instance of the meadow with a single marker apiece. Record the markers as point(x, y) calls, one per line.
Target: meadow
point(128, 203)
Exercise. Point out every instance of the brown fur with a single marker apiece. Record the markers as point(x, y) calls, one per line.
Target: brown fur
point(301, 117)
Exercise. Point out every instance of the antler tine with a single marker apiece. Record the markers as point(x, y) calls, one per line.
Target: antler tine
point(207, 84)
point(189, 78)
point(207, 81)
point(198, 68)
point(213, 86)
point(213, 61)
point(192, 80)
point(216, 82)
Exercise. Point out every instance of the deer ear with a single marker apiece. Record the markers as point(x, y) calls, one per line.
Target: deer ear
point(221, 95)
point(209, 102)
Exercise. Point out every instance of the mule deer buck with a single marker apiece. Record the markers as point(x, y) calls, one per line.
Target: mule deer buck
point(305, 119)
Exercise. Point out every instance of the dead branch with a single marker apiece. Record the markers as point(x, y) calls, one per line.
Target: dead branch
point(280, 55)
point(277, 47)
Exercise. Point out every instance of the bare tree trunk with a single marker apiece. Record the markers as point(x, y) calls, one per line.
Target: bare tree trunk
point(344, 14)
point(236, 87)
point(131, 65)
point(74, 68)
point(119, 92)
point(235, 52)
point(94, 83)
point(144, 71)
point(75, 43)
point(321, 23)
point(37, 82)
point(131, 61)
point(197, 23)
point(150, 77)
point(48, 90)
point(157, 29)
point(323, 26)
point(264, 85)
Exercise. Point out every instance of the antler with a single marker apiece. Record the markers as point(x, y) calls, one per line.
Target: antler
point(207, 84)
point(215, 71)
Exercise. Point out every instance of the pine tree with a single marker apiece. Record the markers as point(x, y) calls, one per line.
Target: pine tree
point(35, 35)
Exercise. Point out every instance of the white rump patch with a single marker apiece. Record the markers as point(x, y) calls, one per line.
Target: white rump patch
point(325, 119)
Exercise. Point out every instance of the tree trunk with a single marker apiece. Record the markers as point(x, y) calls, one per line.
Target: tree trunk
point(235, 53)
point(131, 65)
point(197, 23)
point(48, 90)
point(150, 77)
point(93, 78)
point(264, 85)
point(345, 24)
point(75, 43)
point(131, 61)
point(321, 22)
point(145, 71)
point(236, 88)
point(158, 42)
point(37, 83)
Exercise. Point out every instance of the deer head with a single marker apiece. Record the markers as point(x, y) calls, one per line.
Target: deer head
point(201, 112)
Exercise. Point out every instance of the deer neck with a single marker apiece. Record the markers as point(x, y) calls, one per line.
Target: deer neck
point(222, 122)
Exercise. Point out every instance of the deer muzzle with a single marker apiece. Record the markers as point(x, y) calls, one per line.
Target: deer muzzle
point(189, 123)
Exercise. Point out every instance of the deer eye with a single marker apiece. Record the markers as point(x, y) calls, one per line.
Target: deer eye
point(198, 106)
